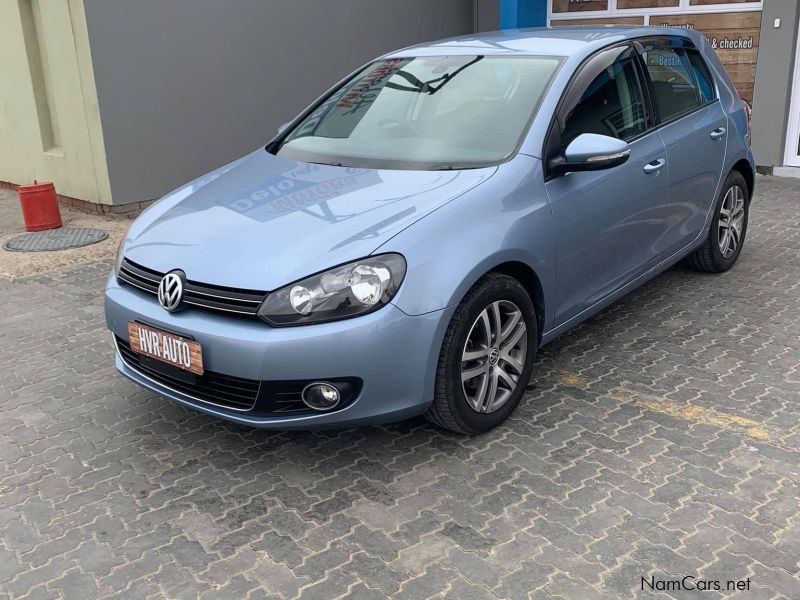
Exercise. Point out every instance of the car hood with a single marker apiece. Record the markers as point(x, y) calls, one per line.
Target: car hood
point(262, 221)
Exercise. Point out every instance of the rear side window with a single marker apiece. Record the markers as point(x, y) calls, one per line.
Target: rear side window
point(704, 82)
point(611, 104)
point(679, 84)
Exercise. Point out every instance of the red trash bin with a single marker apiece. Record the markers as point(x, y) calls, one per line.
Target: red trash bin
point(39, 206)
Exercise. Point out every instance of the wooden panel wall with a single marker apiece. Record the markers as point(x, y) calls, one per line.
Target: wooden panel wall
point(647, 3)
point(563, 6)
point(734, 36)
point(598, 21)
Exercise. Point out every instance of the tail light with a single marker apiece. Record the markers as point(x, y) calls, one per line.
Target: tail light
point(749, 112)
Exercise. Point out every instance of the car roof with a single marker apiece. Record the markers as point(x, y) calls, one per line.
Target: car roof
point(538, 41)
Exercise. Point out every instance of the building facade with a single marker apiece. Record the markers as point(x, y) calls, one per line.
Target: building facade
point(118, 102)
point(757, 41)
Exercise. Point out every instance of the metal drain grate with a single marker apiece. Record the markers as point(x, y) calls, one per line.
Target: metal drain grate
point(55, 239)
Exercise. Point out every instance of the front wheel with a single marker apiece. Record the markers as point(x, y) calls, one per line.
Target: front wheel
point(486, 358)
point(723, 245)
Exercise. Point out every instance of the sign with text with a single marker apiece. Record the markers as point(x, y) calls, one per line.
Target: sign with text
point(626, 4)
point(634, 4)
point(734, 35)
point(598, 21)
point(565, 6)
point(712, 2)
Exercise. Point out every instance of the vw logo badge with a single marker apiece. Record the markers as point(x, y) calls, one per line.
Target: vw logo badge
point(494, 356)
point(170, 290)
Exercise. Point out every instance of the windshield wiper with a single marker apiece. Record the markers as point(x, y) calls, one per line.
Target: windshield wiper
point(330, 164)
point(427, 87)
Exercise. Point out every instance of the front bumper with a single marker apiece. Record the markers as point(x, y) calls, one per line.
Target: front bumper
point(393, 354)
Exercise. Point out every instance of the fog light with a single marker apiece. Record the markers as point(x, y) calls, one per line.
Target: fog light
point(321, 395)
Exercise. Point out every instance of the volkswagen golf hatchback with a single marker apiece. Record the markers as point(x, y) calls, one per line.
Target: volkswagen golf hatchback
point(408, 241)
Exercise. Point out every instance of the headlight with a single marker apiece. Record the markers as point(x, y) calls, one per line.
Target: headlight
point(121, 251)
point(118, 259)
point(353, 289)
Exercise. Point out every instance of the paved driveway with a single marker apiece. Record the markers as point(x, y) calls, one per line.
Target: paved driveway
point(661, 440)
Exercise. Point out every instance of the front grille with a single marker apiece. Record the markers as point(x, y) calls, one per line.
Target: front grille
point(261, 398)
point(286, 398)
point(216, 299)
point(215, 388)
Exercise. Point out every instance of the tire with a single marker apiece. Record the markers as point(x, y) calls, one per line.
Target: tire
point(451, 407)
point(710, 257)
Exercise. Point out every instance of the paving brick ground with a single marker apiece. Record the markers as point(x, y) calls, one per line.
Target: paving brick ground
point(662, 440)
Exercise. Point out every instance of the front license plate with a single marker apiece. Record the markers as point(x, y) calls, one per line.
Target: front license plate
point(167, 347)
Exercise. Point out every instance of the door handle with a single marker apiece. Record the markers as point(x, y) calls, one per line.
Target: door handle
point(718, 133)
point(655, 166)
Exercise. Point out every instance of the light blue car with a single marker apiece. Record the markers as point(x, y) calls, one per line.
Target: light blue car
point(405, 244)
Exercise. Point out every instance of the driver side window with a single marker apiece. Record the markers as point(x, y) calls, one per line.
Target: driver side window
point(611, 104)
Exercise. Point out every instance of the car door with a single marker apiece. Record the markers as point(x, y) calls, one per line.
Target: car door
point(693, 127)
point(606, 222)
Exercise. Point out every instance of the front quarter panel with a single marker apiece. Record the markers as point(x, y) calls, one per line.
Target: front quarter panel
point(505, 219)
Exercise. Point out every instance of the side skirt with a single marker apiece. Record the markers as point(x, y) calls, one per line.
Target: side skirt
point(549, 336)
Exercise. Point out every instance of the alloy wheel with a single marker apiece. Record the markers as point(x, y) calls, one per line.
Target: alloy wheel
point(494, 356)
point(731, 221)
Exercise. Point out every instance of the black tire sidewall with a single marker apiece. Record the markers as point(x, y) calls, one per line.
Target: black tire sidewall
point(504, 288)
point(720, 262)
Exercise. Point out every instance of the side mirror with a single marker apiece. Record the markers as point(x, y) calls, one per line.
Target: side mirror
point(591, 152)
point(282, 127)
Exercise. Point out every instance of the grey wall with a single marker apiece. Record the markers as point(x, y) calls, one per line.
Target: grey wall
point(488, 15)
point(773, 85)
point(185, 86)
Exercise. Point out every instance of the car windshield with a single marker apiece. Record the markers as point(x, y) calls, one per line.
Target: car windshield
point(433, 112)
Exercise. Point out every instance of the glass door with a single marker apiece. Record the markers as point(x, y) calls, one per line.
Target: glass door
point(792, 157)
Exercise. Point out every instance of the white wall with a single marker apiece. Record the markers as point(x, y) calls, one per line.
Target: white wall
point(49, 121)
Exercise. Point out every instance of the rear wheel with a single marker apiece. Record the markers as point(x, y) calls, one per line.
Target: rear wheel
point(486, 358)
point(723, 245)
